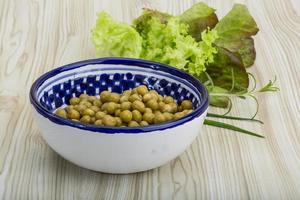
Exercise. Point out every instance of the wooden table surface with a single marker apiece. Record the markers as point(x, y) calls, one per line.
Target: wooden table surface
point(37, 36)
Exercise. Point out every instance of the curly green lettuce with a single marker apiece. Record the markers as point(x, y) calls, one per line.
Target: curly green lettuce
point(169, 42)
point(113, 38)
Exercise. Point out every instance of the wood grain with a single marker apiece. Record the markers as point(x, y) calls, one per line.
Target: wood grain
point(37, 35)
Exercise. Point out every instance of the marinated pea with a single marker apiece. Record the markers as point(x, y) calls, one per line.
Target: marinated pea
point(186, 105)
point(73, 114)
point(108, 120)
point(142, 90)
point(105, 96)
point(134, 97)
point(126, 105)
point(114, 97)
point(137, 116)
point(74, 101)
point(144, 123)
point(148, 117)
point(61, 112)
point(133, 124)
point(138, 105)
point(89, 112)
point(113, 109)
point(126, 116)
point(152, 104)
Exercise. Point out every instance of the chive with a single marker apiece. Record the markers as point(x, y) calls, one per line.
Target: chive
point(233, 117)
point(230, 127)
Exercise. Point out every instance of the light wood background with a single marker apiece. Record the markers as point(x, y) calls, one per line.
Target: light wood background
point(37, 36)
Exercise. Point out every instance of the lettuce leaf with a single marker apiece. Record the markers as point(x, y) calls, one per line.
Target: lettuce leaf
point(167, 41)
point(199, 17)
point(113, 38)
point(228, 72)
point(235, 31)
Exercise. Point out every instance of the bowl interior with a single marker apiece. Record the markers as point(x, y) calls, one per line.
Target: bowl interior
point(94, 78)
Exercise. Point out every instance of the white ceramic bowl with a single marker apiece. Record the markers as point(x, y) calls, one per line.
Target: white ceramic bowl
point(117, 149)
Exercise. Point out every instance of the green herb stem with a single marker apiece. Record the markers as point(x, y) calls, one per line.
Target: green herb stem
point(230, 127)
point(233, 117)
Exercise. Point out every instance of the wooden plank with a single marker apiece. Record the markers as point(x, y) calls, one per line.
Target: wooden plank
point(36, 36)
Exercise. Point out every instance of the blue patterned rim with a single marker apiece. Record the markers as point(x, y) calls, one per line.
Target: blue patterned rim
point(117, 61)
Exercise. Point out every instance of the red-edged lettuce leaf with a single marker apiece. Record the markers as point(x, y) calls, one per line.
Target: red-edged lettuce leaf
point(141, 22)
point(226, 67)
point(247, 52)
point(199, 17)
point(235, 31)
point(228, 75)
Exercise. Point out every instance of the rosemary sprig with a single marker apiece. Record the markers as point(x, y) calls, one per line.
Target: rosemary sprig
point(269, 87)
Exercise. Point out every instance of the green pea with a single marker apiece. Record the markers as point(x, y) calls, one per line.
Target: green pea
point(86, 103)
point(159, 118)
point(186, 105)
point(92, 121)
point(138, 105)
point(98, 122)
point(104, 106)
point(168, 99)
point(179, 108)
point(100, 115)
point(174, 107)
point(108, 120)
point(80, 108)
point(144, 123)
point(124, 98)
point(126, 105)
point(148, 117)
point(147, 97)
point(74, 101)
point(118, 112)
point(142, 90)
point(153, 92)
point(127, 92)
point(161, 105)
point(160, 98)
point(105, 96)
point(73, 114)
point(85, 119)
point(111, 107)
point(168, 116)
point(178, 115)
point(91, 99)
point(89, 112)
point(152, 104)
point(148, 110)
point(157, 112)
point(134, 97)
point(186, 112)
point(136, 116)
point(126, 116)
point(118, 121)
point(134, 91)
point(114, 97)
point(83, 96)
point(97, 102)
point(133, 124)
point(61, 112)
point(166, 108)
point(68, 108)
point(95, 108)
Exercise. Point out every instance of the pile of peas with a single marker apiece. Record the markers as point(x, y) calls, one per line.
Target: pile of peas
point(132, 108)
